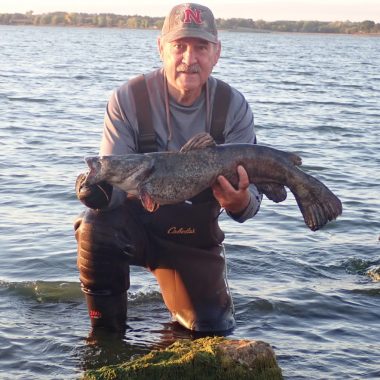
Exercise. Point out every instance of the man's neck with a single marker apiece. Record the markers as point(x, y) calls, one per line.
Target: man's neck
point(186, 98)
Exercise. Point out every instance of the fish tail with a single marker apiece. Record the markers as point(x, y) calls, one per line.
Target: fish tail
point(318, 204)
point(318, 213)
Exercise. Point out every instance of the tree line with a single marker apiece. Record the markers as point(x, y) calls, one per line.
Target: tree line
point(145, 22)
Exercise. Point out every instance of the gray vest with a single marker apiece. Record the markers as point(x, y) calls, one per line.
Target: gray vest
point(147, 137)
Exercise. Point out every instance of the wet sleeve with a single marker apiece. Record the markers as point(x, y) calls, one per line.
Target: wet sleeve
point(240, 129)
point(252, 208)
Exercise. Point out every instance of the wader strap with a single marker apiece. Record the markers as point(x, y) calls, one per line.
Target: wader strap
point(147, 137)
point(219, 110)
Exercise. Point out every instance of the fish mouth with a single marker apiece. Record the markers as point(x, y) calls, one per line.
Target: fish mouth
point(94, 166)
point(103, 168)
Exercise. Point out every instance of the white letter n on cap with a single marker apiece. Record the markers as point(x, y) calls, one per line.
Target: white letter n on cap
point(192, 15)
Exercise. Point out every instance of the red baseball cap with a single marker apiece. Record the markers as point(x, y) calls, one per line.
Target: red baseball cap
point(190, 20)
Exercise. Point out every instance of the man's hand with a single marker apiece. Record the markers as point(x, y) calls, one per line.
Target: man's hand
point(234, 201)
point(95, 196)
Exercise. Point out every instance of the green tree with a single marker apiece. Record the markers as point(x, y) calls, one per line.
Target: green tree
point(58, 18)
point(366, 26)
point(132, 22)
point(46, 19)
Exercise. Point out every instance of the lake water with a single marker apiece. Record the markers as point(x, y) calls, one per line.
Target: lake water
point(306, 293)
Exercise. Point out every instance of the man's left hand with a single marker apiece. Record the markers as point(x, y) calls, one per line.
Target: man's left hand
point(231, 199)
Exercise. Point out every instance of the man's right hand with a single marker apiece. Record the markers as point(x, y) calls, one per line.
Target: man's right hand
point(97, 196)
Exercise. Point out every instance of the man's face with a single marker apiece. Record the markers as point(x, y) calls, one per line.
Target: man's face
point(188, 62)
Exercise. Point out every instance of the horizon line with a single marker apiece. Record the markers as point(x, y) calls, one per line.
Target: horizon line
point(216, 18)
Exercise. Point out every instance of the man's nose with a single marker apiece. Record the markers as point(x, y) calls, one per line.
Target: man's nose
point(189, 56)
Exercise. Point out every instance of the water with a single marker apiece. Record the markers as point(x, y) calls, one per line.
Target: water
point(308, 294)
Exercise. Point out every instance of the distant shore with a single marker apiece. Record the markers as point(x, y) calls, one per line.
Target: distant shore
point(110, 20)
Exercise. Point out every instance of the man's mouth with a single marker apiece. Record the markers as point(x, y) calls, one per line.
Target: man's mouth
point(185, 69)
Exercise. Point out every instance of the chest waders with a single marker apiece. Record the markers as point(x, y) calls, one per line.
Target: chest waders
point(180, 244)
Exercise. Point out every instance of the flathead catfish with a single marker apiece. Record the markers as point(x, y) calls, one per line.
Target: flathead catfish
point(162, 178)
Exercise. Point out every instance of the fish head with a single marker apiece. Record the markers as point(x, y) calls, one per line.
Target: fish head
point(124, 171)
point(96, 170)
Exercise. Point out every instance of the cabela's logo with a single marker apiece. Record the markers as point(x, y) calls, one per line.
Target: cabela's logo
point(181, 231)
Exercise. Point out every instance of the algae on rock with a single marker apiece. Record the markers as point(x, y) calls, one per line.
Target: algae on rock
point(374, 272)
point(201, 359)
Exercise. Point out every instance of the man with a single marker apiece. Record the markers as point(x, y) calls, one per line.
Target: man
point(180, 244)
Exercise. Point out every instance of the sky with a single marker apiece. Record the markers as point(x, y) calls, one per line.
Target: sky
point(268, 10)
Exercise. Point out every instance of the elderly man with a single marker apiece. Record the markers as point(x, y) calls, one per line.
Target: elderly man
point(180, 244)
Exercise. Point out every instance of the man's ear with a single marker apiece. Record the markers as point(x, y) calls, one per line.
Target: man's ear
point(160, 47)
point(217, 52)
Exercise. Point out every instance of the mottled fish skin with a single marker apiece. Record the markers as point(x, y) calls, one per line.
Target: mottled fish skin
point(162, 178)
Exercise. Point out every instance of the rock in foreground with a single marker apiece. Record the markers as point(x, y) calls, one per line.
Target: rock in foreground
point(374, 272)
point(205, 358)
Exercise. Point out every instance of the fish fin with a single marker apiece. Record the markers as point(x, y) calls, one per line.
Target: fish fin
point(294, 158)
point(297, 160)
point(148, 202)
point(273, 191)
point(199, 141)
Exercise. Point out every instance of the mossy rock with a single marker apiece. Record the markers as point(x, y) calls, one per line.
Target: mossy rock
point(374, 272)
point(201, 359)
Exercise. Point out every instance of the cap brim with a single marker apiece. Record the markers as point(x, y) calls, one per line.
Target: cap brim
point(189, 33)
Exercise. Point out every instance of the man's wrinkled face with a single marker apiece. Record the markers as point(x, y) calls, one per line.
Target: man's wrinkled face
point(188, 62)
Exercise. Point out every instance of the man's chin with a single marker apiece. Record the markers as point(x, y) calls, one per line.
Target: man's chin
point(189, 82)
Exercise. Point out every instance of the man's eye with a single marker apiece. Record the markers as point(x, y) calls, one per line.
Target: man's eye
point(202, 47)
